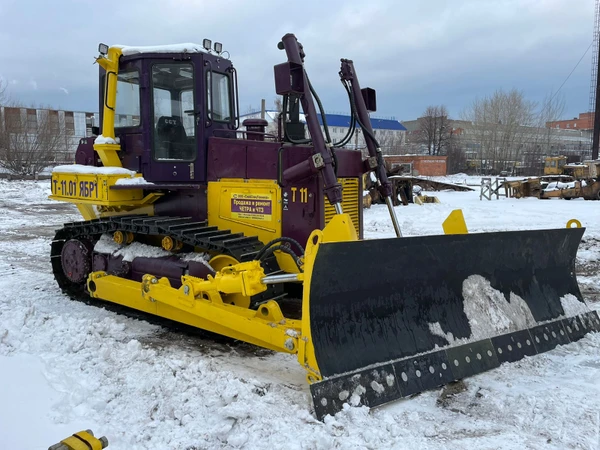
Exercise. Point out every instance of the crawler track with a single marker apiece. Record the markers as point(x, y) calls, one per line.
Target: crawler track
point(196, 234)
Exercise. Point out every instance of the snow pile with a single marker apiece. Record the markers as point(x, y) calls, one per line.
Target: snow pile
point(488, 311)
point(107, 245)
point(132, 181)
point(106, 140)
point(559, 185)
point(572, 306)
point(203, 258)
point(170, 48)
point(92, 170)
point(134, 250)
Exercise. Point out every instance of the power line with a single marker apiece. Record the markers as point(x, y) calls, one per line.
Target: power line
point(569, 76)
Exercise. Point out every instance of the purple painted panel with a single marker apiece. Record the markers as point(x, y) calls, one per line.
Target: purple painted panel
point(132, 148)
point(302, 210)
point(226, 158)
point(158, 187)
point(350, 163)
point(303, 201)
point(85, 154)
point(262, 160)
point(185, 203)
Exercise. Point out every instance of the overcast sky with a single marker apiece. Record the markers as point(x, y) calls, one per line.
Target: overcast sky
point(414, 53)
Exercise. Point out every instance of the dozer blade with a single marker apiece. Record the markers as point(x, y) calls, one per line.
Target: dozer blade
point(394, 317)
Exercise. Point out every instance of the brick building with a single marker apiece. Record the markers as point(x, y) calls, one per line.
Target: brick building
point(585, 121)
point(420, 165)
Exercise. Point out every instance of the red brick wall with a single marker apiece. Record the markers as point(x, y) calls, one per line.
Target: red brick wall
point(425, 165)
point(584, 122)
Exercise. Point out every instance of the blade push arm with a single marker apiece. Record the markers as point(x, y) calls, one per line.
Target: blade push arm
point(297, 82)
point(359, 108)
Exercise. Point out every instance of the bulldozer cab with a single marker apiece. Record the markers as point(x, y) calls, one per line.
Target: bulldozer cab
point(554, 165)
point(168, 102)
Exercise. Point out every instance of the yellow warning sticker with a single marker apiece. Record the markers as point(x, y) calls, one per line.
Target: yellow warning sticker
point(251, 206)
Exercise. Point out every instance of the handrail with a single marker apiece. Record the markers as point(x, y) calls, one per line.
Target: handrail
point(209, 111)
point(237, 99)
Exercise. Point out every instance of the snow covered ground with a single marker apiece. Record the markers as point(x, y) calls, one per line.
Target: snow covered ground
point(66, 366)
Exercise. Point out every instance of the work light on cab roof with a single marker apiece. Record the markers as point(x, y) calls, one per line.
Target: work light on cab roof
point(256, 234)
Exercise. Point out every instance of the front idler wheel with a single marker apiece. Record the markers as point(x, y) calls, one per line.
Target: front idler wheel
point(76, 260)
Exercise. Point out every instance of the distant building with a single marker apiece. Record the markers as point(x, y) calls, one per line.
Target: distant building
point(70, 126)
point(585, 121)
point(390, 133)
point(480, 147)
point(423, 165)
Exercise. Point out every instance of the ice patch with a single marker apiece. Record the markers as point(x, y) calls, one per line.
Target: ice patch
point(436, 330)
point(390, 380)
point(488, 311)
point(203, 258)
point(572, 306)
point(377, 387)
point(355, 398)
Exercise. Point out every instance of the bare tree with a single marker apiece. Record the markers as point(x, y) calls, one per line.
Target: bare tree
point(30, 139)
point(503, 125)
point(3, 92)
point(390, 142)
point(435, 131)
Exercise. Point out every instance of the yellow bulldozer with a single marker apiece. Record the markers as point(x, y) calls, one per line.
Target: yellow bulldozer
point(194, 217)
point(557, 165)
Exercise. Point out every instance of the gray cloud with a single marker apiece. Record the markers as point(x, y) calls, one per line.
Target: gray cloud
point(413, 53)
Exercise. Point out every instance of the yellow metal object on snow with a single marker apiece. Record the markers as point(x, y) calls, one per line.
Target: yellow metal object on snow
point(84, 440)
point(455, 223)
point(422, 199)
point(572, 222)
point(252, 207)
point(199, 303)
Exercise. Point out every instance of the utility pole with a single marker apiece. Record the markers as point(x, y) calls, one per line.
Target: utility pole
point(595, 90)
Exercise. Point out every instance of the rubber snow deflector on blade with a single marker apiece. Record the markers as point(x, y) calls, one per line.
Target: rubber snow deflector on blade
point(393, 317)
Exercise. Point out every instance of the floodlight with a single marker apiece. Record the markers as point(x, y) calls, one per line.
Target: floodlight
point(103, 49)
point(207, 43)
point(218, 47)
